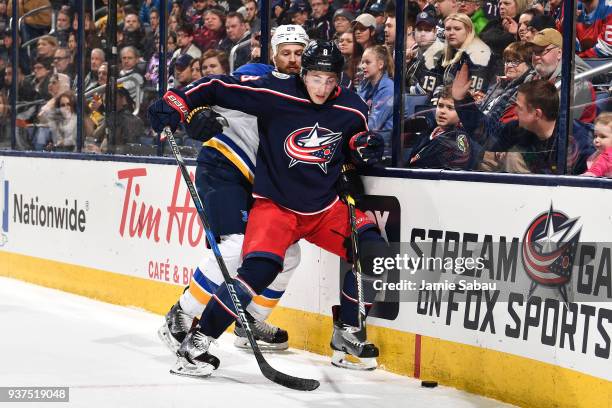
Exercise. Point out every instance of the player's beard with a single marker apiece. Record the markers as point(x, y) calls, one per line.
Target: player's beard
point(293, 69)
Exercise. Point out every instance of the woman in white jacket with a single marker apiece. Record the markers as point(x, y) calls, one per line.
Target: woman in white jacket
point(463, 47)
point(62, 120)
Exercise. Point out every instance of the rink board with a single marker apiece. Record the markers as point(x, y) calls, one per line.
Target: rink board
point(127, 233)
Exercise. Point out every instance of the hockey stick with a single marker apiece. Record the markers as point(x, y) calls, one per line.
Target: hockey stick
point(361, 314)
point(295, 383)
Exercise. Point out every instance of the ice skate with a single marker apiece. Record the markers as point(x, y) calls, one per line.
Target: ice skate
point(175, 328)
point(345, 343)
point(194, 360)
point(269, 337)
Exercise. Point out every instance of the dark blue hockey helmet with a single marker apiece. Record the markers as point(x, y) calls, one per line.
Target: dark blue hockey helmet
point(322, 56)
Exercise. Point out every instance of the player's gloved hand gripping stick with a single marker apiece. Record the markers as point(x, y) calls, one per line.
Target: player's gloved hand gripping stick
point(301, 384)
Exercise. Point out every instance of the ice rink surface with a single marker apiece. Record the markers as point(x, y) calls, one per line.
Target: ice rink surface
point(110, 356)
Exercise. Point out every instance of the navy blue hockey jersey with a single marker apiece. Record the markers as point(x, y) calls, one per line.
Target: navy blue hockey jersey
point(302, 145)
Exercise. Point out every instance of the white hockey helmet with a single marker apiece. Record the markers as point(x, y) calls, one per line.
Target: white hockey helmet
point(289, 34)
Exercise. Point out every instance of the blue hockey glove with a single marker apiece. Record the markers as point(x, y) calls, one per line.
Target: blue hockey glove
point(168, 111)
point(203, 123)
point(368, 147)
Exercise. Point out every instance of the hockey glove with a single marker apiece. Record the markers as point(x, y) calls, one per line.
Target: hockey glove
point(203, 123)
point(368, 147)
point(168, 111)
point(349, 183)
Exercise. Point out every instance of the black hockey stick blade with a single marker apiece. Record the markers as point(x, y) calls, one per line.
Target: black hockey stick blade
point(286, 380)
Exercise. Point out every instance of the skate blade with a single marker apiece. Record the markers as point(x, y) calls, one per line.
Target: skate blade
point(184, 368)
point(243, 343)
point(164, 335)
point(341, 359)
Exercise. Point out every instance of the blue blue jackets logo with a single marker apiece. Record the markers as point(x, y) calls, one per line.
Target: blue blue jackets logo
point(312, 145)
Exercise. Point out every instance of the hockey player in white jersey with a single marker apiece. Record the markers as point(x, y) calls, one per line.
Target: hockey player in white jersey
point(224, 178)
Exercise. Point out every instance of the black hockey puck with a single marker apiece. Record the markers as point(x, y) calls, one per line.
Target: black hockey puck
point(429, 384)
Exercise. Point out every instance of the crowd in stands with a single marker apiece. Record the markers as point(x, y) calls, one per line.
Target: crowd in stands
point(481, 76)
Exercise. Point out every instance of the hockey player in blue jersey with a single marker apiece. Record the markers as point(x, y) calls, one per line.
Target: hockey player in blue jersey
point(309, 127)
point(224, 177)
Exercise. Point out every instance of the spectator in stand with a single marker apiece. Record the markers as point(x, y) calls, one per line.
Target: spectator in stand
point(364, 27)
point(62, 62)
point(129, 126)
point(213, 32)
point(390, 32)
point(96, 105)
point(342, 21)
point(151, 33)
point(538, 23)
point(182, 71)
point(377, 90)
point(72, 46)
point(133, 33)
point(46, 46)
point(173, 23)
point(25, 113)
point(41, 75)
point(171, 44)
point(177, 9)
point(96, 59)
point(4, 18)
point(528, 144)
point(237, 32)
point(184, 36)
point(215, 62)
point(146, 9)
point(463, 47)
point(297, 13)
point(24, 58)
point(352, 57)
point(599, 164)
point(523, 23)
point(378, 11)
point(473, 8)
point(498, 107)
point(448, 146)
point(594, 29)
point(546, 60)
point(92, 40)
point(196, 69)
point(197, 18)
point(421, 75)
point(60, 115)
point(252, 16)
point(320, 26)
point(425, 5)
point(4, 49)
point(152, 73)
point(499, 33)
point(445, 8)
point(36, 24)
point(130, 58)
point(63, 27)
point(100, 23)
